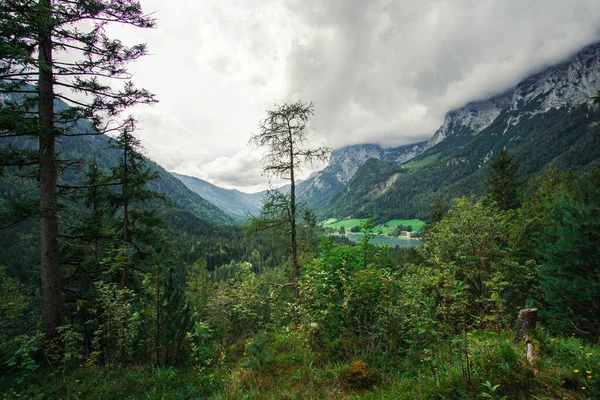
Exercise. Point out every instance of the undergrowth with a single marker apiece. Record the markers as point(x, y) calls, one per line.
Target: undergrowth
point(286, 365)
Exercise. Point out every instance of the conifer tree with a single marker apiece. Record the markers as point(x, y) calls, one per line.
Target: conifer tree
point(282, 134)
point(503, 184)
point(567, 244)
point(133, 200)
point(34, 36)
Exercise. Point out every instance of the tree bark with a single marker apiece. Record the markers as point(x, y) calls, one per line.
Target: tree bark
point(526, 323)
point(126, 238)
point(49, 245)
point(293, 219)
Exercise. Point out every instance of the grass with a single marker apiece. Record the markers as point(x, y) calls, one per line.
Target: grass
point(414, 165)
point(125, 382)
point(346, 223)
point(416, 224)
point(283, 365)
point(385, 228)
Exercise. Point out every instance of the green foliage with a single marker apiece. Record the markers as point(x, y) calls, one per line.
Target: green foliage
point(203, 352)
point(119, 323)
point(355, 297)
point(240, 306)
point(472, 245)
point(490, 391)
point(167, 313)
point(561, 138)
point(503, 184)
point(19, 338)
point(22, 358)
point(569, 214)
point(258, 352)
point(14, 308)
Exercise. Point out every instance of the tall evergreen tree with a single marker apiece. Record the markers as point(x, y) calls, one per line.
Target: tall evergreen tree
point(503, 183)
point(133, 200)
point(34, 34)
point(567, 244)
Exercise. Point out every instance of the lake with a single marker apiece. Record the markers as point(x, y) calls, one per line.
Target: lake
point(390, 240)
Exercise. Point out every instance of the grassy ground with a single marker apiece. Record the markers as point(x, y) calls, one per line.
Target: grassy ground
point(385, 228)
point(416, 224)
point(346, 223)
point(285, 366)
point(413, 165)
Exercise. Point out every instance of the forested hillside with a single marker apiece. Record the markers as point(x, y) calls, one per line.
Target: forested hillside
point(82, 150)
point(374, 322)
point(237, 204)
point(118, 282)
point(560, 138)
point(547, 120)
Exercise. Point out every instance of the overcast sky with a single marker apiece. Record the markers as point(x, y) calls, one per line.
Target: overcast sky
point(378, 71)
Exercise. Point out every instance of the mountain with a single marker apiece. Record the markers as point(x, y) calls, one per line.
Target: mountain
point(547, 120)
point(87, 148)
point(235, 203)
point(318, 189)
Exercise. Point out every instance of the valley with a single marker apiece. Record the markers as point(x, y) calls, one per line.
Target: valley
point(445, 247)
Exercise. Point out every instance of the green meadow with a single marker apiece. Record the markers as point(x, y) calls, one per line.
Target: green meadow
point(385, 228)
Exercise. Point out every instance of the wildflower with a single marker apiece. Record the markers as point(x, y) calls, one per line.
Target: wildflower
point(588, 372)
point(589, 377)
point(589, 354)
point(576, 371)
point(583, 388)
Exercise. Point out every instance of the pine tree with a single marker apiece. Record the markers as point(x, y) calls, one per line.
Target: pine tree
point(567, 244)
point(283, 133)
point(503, 183)
point(136, 203)
point(33, 35)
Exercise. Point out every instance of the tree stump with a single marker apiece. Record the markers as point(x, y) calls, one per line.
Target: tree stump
point(524, 331)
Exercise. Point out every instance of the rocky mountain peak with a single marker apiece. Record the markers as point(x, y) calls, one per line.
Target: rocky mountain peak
point(570, 83)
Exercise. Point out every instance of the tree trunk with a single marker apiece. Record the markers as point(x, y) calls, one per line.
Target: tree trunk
point(49, 246)
point(293, 221)
point(158, 314)
point(525, 329)
point(126, 238)
point(598, 312)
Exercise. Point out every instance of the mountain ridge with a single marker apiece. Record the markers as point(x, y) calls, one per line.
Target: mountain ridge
point(97, 146)
point(545, 120)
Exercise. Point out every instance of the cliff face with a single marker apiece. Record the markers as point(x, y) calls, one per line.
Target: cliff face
point(565, 85)
point(547, 120)
point(343, 164)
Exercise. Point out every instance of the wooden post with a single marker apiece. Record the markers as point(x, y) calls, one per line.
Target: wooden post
point(524, 331)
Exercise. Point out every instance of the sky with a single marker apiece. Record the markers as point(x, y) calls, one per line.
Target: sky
point(378, 71)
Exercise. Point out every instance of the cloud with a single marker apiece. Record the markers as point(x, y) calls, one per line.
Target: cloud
point(388, 71)
point(242, 170)
point(378, 71)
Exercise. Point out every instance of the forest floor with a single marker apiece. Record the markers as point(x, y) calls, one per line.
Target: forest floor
point(282, 365)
